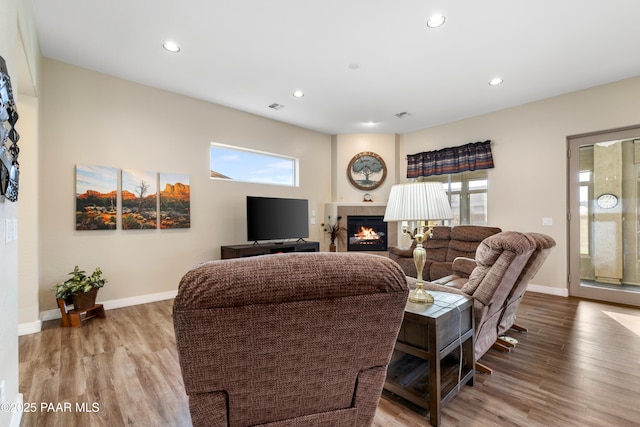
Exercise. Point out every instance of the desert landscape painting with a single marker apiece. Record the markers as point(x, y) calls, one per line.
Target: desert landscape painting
point(175, 201)
point(139, 200)
point(96, 197)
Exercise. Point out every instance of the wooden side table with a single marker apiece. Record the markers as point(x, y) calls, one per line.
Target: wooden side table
point(75, 318)
point(433, 354)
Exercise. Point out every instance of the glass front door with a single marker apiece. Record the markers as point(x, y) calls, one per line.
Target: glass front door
point(604, 216)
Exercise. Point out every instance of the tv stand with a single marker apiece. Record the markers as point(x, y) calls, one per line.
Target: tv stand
point(251, 249)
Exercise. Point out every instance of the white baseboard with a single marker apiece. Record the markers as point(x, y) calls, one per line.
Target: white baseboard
point(550, 290)
point(17, 415)
point(29, 328)
point(108, 305)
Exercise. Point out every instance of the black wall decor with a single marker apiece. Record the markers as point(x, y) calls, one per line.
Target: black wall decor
point(9, 151)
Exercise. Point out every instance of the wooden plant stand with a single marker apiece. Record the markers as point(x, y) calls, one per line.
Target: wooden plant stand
point(75, 318)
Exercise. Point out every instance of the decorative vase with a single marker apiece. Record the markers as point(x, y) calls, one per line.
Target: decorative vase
point(332, 247)
point(85, 300)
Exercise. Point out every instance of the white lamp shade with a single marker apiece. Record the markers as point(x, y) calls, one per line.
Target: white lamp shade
point(418, 201)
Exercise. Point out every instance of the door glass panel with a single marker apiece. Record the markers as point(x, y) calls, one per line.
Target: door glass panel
point(607, 195)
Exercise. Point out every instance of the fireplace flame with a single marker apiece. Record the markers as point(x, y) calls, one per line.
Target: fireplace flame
point(367, 233)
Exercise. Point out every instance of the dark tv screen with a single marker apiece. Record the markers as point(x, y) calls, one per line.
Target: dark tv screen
point(271, 218)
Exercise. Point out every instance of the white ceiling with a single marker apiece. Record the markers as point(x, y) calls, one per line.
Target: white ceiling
point(248, 54)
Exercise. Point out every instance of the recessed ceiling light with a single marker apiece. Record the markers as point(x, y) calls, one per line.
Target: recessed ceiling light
point(495, 81)
point(370, 122)
point(171, 46)
point(298, 94)
point(436, 21)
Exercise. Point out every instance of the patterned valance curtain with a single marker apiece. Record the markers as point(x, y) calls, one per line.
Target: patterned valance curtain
point(469, 157)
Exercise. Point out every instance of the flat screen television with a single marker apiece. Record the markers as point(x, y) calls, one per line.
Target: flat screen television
point(272, 218)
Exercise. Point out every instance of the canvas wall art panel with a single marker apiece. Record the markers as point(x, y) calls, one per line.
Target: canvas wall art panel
point(175, 201)
point(96, 197)
point(139, 200)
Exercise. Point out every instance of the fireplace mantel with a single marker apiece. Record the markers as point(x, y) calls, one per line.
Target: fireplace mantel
point(336, 209)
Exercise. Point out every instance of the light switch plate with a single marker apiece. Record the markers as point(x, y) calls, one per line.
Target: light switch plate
point(8, 230)
point(547, 222)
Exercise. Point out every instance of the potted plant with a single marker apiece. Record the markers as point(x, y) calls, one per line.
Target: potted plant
point(333, 229)
point(80, 289)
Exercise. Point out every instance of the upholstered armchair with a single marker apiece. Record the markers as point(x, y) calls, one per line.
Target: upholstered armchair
point(443, 247)
point(499, 259)
point(544, 244)
point(288, 339)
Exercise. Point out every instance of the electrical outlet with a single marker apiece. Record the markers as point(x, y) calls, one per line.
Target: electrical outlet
point(3, 393)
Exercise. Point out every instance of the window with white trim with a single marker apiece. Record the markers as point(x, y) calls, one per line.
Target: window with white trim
point(242, 164)
point(467, 193)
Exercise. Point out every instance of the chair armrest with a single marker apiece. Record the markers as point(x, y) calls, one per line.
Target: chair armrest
point(429, 286)
point(463, 266)
point(399, 252)
point(445, 280)
point(451, 281)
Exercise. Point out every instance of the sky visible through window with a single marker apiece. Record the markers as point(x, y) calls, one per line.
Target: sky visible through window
point(241, 165)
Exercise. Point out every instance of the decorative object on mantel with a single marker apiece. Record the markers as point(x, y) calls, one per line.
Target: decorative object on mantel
point(81, 291)
point(9, 166)
point(334, 230)
point(469, 157)
point(367, 198)
point(366, 171)
point(416, 202)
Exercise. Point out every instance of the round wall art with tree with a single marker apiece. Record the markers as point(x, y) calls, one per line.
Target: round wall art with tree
point(366, 171)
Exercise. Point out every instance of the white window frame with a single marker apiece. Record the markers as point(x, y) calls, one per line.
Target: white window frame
point(464, 193)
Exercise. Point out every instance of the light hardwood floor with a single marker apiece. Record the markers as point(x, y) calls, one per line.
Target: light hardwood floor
point(577, 366)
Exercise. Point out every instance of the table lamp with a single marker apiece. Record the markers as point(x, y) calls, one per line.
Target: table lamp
point(415, 202)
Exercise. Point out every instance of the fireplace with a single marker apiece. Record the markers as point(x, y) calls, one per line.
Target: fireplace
point(366, 233)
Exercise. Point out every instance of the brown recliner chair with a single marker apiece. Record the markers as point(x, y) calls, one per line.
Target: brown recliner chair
point(288, 339)
point(544, 244)
point(500, 260)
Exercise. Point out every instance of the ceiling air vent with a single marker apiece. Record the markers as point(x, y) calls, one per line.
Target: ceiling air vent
point(402, 115)
point(276, 106)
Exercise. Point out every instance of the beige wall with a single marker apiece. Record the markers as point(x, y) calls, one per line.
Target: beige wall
point(8, 251)
point(348, 145)
point(28, 244)
point(529, 180)
point(93, 119)
point(12, 12)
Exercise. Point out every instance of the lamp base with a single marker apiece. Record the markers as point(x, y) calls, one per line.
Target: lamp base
point(419, 295)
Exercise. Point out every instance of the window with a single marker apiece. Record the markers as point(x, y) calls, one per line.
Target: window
point(468, 196)
point(586, 194)
point(242, 164)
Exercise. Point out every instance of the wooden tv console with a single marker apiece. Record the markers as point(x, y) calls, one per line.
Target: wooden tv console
point(240, 251)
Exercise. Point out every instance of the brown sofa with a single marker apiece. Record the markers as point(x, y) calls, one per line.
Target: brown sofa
point(445, 245)
point(294, 339)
